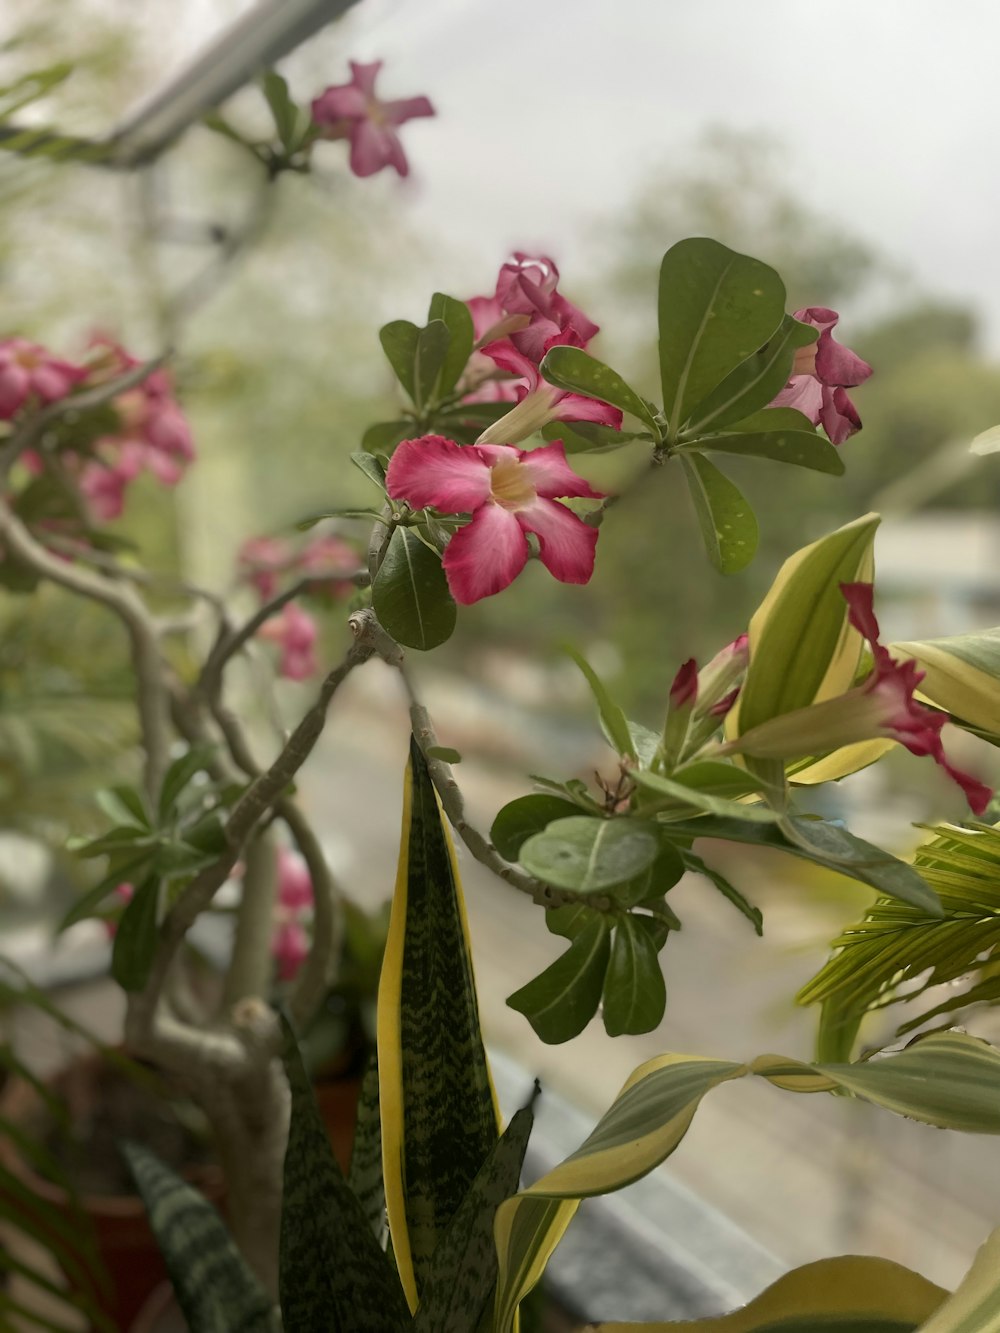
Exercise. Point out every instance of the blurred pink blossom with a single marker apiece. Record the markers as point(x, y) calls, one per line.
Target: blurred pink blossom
point(295, 890)
point(289, 948)
point(29, 371)
point(294, 631)
point(352, 111)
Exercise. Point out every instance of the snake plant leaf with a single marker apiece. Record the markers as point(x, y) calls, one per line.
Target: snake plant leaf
point(463, 1271)
point(716, 308)
point(333, 1275)
point(365, 1175)
point(439, 1114)
point(214, 1287)
point(802, 650)
point(850, 1294)
point(961, 675)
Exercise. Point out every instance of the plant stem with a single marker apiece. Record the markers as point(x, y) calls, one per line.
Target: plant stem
point(249, 973)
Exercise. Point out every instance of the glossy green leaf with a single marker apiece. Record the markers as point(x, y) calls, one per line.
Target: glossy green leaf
point(850, 1294)
point(635, 995)
point(123, 870)
point(180, 774)
point(410, 593)
point(215, 1289)
point(123, 805)
point(685, 793)
point(754, 383)
point(526, 815)
point(582, 437)
point(718, 778)
point(333, 1275)
point(457, 318)
point(135, 938)
point(588, 855)
point(825, 845)
point(716, 308)
point(615, 724)
point(382, 438)
point(561, 1001)
point(372, 466)
point(801, 646)
point(432, 348)
point(439, 1116)
point(727, 522)
point(289, 120)
point(463, 1269)
point(729, 891)
point(570, 920)
point(399, 342)
point(656, 880)
point(574, 369)
point(764, 436)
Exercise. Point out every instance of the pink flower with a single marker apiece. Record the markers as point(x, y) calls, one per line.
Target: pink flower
point(352, 111)
point(509, 492)
point(821, 375)
point(539, 402)
point(262, 560)
point(295, 890)
point(289, 949)
point(331, 562)
point(882, 705)
point(684, 690)
point(28, 371)
point(294, 631)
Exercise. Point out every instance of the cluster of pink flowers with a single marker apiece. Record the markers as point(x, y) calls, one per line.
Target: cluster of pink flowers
point(30, 376)
point(352, 111)
point(266, 562)
point(821, 375)
point(290, 940)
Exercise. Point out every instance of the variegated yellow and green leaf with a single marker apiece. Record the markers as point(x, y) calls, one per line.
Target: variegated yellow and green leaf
point(975, 1305)
point(438, 1108)
point(850, 1294)
point(962, 675)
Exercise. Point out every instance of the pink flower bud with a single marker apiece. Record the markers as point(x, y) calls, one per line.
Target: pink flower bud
point(684, 690)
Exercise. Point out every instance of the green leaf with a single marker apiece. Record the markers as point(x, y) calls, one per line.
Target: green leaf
point(652, 882)
point(399, 342)
point(457, 318)
point(689, 795)
point(432, 347)
point(728, 525)
point(721, 779)
point(588, 855)
point(214, 1287)
point(570, 920)
point(443, 752)
point(800, 447)
point(439, 1118)
point(716, 308)
point(383, 436)
point(410, 593)
point(123, 871)
point(180, 774)
point(615, 724)
point(729, 891)
point(561, 1001)
point(526, 815)
point(123, 805)
point(372, 466)
point(754, 383)
point(365, 1175)
point(975, 1306)
point(463, 1269)
point(825, 845)
point(135, 939)
point(961, 675)
point(573, 369)
point(289, 121)
point(801, 645)
point(333, 1275)
point(310, 521)
point(581, 437)
point(635, 995)
point(30, 87)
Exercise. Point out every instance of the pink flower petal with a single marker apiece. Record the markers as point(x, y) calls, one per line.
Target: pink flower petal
point(373, 148)
point(805, 394)
point(336, 104)
point(838, 415)
point(575, 407)
point(566, 543)
point(295, 889)
point(14, 389)
point(406, 108)
point(486, 556)
point(552, 476)
point(363, 75)
point(435, 471)
point(507, 357)
point(290, 949)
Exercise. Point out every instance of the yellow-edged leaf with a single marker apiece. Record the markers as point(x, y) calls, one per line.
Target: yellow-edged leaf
point(975, 1305)
point(962, 674)
point(840, 763)
point(839, 1294)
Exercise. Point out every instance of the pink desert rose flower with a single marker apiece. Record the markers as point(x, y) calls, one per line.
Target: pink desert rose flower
point(821, 375)
point(295, 890)
point(509, 492)
point(539, 402)
point(294, 631)
point(352, 111)
point(882, 705)
point(289, 949)
point(28, 371)
point(261, 561)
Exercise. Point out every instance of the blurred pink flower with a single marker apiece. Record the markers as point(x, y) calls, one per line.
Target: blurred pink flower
point(28, 371)
point(262, 560)
point(295, 890)
point(352, 111)
point(509, 492)
point(294, 631)
point(289, 949)
point(821, 375)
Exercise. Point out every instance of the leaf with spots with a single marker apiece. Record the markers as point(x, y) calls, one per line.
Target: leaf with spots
point(728, 524)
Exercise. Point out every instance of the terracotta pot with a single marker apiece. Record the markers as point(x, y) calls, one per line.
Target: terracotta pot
point(121, 1231)
point(160, 1314)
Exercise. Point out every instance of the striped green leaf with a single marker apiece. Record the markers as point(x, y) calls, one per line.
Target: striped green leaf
point(365, 1175)
point(214, 1287)
point(849, 1294)
point(463, 1271)
point(975, 1305)
point(333, 1275)
point(962, 675)
point(439, 1114)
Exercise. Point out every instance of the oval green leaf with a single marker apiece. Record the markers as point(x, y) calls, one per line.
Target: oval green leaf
point(135, 939)
point(573, 369)
point(410, 593)
point(588, 855)
point(526, 815)
point(635, 995)
point(399, 342)
point(728, 524)
point(561, 1001)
